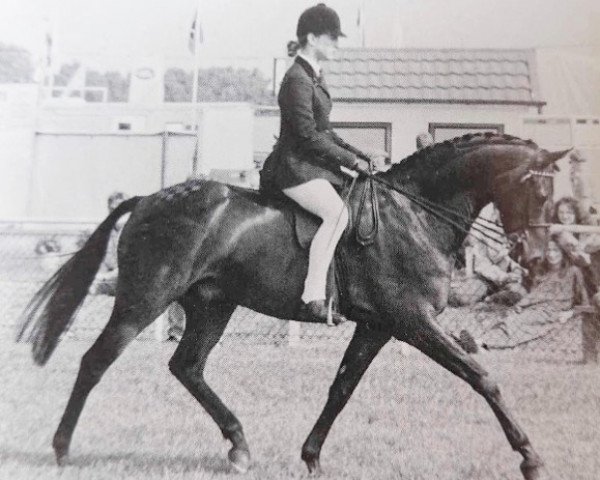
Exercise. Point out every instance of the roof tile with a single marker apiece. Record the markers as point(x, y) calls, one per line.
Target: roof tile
point(428, 74)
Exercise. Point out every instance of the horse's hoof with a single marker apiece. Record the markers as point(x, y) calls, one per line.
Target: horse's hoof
point(61, 451)
point(61, 459)
point(239, 459)
point(314, 467)
point(531, 470)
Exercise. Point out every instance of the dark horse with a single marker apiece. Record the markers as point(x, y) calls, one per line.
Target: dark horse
point(212, 247)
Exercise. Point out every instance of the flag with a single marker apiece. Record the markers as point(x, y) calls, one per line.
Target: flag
point(193, 32)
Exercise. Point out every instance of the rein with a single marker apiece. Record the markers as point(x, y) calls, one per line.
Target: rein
point(440, 211)
point(368, 238)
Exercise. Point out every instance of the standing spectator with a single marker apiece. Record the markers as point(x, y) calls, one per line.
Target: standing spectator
point(106, 279)
point(424, 140)
point(588, 208)
point(566, 212)
point(583, 249)
point(175, 322)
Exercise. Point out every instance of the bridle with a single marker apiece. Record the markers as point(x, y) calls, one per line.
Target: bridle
point(487, 228)
point(520, 237)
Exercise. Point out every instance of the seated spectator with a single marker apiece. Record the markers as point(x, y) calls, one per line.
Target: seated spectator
point(497, 277)
point(48, 250)
point(559, 284)
point(503, 276)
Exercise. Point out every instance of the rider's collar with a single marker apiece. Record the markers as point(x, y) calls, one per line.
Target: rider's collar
point(316, 68)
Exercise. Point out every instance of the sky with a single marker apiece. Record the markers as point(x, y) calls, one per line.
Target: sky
point(122, 32)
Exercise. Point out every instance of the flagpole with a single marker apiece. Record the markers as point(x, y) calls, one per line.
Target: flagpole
point(51, 50)
point(361, 26)
point(197, 159)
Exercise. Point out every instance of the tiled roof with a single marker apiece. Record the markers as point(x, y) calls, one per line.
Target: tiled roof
point(426, 75)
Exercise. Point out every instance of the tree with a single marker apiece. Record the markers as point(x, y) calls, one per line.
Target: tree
point(218, 84)
point(116, 83)
point(15, 64)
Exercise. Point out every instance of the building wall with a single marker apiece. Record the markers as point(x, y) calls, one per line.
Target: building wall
point(407, 120)
point(66, 160)
point(410, 120)
point(17, 119)
point(73, 175)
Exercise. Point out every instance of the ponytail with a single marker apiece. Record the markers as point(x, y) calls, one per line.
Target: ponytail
point(292, 48)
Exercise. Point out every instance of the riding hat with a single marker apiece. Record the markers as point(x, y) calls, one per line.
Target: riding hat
point(318, 20)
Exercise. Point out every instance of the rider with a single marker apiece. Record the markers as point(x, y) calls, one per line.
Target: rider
point(305, 162)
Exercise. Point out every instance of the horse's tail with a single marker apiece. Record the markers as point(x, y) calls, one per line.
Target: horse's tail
point(51, 310)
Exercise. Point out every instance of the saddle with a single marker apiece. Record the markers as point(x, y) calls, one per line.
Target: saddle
point(360, 197)
point(363, 224)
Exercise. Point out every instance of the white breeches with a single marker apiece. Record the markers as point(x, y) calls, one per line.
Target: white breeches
point(320, 198)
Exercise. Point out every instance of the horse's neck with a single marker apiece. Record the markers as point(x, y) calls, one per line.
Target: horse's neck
point(456, 193)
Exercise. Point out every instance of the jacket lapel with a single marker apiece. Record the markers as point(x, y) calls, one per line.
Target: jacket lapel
point(319, 82)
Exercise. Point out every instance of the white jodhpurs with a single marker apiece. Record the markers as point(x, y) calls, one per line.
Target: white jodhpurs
point(320, 198)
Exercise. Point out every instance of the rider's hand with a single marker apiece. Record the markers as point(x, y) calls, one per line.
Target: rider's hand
point(361, 167)
point(378, 157)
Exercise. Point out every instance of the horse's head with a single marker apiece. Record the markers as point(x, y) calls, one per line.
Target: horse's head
point(523, 196)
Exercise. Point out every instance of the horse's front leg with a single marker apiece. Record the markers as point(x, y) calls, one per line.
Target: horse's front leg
point(361, 351)
point(425, 334)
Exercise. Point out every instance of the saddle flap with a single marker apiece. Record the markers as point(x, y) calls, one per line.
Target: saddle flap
point(305, 227)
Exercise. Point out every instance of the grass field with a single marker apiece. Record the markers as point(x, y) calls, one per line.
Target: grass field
point(408, 419)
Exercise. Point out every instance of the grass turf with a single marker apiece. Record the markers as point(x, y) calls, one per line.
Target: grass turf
point(408, 419)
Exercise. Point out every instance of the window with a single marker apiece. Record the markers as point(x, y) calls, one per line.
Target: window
point(448, 131)
point(129, 123)
point(548, 131)
point(366, 135)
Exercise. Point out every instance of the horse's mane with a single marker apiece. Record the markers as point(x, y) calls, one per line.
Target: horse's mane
point(439, 155)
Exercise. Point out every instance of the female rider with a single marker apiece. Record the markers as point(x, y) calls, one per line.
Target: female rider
point(305, 162)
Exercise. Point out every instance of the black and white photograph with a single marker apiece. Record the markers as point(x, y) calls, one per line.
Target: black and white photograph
point(292, 239)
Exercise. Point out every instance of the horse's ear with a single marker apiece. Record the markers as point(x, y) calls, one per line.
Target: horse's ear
point(549, 158)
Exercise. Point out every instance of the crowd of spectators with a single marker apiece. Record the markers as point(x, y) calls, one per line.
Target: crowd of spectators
point(565, 281)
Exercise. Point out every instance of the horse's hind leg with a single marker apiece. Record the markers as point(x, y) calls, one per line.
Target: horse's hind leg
point(205, 324)
point(125, 323)
point(436, 344)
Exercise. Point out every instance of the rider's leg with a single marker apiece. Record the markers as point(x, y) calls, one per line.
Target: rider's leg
point(320, 198)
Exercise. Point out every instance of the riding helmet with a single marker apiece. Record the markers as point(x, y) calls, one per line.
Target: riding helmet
point(318, 20)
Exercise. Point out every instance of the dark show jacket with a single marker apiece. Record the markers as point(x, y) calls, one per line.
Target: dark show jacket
point(307, 148)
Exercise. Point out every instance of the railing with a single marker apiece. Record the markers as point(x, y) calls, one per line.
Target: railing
point(23, 271)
